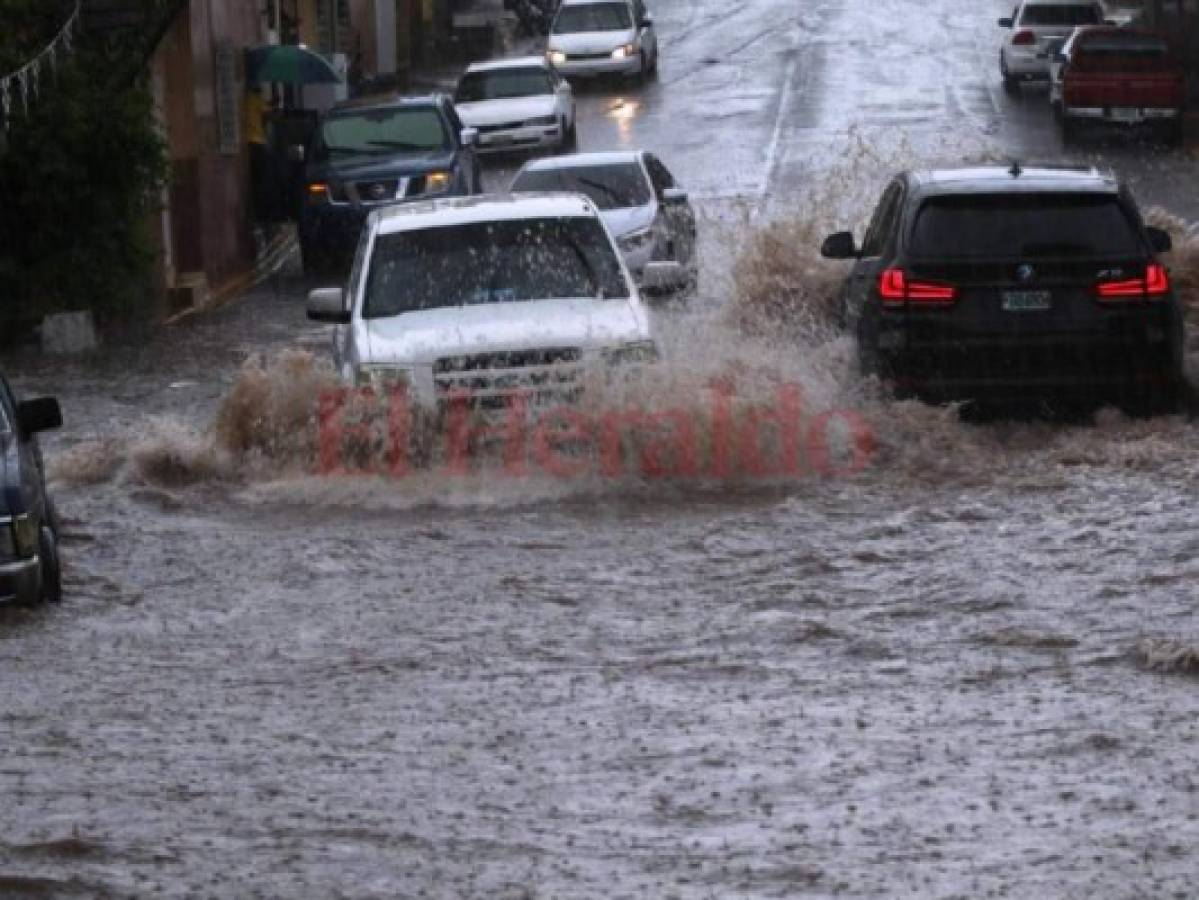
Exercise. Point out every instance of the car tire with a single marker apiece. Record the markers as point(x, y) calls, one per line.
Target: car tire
point(51, 566)
point(639, 77)
point(1069, 130)
point(570, 137)
point(1174, 132)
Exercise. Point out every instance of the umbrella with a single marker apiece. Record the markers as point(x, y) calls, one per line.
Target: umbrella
point(288, 64)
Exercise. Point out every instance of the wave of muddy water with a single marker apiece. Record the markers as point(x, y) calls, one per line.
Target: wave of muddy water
point(966, 671)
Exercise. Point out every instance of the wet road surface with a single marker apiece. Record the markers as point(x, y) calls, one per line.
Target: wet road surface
point(928, 679)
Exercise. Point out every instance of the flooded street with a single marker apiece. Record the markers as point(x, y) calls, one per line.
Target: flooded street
point(961, 672)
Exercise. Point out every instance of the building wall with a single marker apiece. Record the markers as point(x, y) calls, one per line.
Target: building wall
point(209, 199)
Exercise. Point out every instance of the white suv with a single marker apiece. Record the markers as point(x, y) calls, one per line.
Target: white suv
point(490, 296)
point(603, 37)
point(1024, 55)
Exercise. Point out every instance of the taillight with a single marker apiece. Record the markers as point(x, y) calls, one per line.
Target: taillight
point(894, 288)
point(1155, 283)
point(1024, 38)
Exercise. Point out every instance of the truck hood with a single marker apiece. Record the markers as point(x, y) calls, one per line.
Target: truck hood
point(503, 112)
point(591, 41)
point(367, 167)
point(422, 337)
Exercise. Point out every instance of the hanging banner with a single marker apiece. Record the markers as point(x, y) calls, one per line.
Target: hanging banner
point(19, 90)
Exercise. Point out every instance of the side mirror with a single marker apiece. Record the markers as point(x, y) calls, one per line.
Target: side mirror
point(674, 196)
point(839, 246)
point(41, 414)
point(647, 21)
point(663, 276)
point(470, 137)
point(1159, 240)
point(328, 305)
point(1005, 23)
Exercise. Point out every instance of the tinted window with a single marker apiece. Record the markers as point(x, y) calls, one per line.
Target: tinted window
point(383, 131)
point(593, 17)
point(491, 262)
point(1122, 53)
point(1061, 16)
point(617, 186)
point(503, 84)
point(883, 222)
point(1023, 226)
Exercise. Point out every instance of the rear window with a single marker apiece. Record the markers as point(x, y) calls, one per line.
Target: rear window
point(1060, 15)
point(1116, 52)
point(1023, 226)
point(617, 186)
point(492, 262)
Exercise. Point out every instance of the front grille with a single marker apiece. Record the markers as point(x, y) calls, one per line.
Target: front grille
point(491, 129)
point(377, 191)
point(492, 379)
point(587, 57)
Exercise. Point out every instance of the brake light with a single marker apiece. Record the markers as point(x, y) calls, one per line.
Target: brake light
point(895, 288)
point(1024, 38)
point(1155, 283)
point(318, 192)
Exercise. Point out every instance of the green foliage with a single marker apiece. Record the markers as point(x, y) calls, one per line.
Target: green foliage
point(78, 178)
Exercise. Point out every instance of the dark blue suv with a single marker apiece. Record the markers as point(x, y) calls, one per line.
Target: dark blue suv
point(29, 568)
point(367, 155)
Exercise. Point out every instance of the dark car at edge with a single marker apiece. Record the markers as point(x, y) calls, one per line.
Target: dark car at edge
point(1013, 285)
point(29, 563)
point(365, 155)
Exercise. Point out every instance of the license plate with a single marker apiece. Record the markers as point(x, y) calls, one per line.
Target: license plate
point(1026, 301)
point(1125, 114)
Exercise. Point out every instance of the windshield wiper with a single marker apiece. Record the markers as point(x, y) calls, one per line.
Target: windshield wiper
point(600, 186)
point(592, 274)
point(398, 145)
point(1055, 248)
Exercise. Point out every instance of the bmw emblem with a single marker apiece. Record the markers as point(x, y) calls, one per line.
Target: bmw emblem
point(1025, 272)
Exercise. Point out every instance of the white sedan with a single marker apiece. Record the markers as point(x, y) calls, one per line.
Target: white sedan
point(486, 296)
point(640, 200)
point(517, 104)
point(1023, 56)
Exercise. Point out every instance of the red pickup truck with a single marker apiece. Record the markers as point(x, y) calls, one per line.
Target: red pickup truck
point(1117, 76)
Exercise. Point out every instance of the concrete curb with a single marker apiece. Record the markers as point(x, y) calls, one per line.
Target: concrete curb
point(272, 260)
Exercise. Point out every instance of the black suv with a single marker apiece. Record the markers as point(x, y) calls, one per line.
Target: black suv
point(367, 155)
point(1014, 285)
point(29, 568)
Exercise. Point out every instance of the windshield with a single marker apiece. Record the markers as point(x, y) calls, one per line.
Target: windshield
point(1116, 52)
point(1063, 16)
point(382, 131)
point(492, 262)
point(593, 17)
point(617, 186)
point(1023, 226)
point(503, 84)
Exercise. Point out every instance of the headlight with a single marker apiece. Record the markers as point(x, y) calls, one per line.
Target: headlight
point(625, 52)
point(556, 57)
point(436, 182)
point(382, 376)
point(632, 353)
point(636, 240)
point(18, 537)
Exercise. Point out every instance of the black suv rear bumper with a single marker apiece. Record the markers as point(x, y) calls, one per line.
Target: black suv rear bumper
point(1130, 357)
